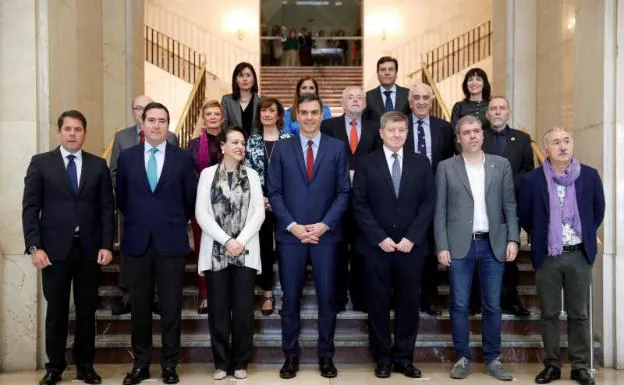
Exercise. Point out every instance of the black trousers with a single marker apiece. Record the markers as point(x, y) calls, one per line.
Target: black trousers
point(167, 272)
point(56, 281)
point(231, 299)
point(429, 294)
point(350, 270)
point(385, 273)
point(267, 252)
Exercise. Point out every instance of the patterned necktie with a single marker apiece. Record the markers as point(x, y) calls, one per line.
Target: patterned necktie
point(353, 137)
point(421, 146)
point(396, 173)
point(388, 104)
point(310, 161)
point(152, 169)
point(72, 172)
point(141, 137)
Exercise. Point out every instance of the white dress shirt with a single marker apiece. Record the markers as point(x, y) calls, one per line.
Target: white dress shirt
point(476, 177)
point(358, 127)
point(159, 155)
point(78, 161)
point(392, 95)
point(426, 125)
point(390, 159)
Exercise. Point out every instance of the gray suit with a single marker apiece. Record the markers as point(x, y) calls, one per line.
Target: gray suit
point(125, 139)
point(233, 113)
point(455, 206)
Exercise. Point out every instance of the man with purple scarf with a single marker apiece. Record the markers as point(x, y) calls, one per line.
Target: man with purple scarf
point(561, 206)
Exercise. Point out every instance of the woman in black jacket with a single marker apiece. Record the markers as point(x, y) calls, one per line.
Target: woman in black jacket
point(477, 93)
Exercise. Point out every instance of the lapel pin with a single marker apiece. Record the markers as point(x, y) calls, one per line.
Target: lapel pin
point(513, 138)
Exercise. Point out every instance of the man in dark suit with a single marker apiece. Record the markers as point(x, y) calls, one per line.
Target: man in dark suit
point(156, 187)
point(67, 216)
point(361, 137)
point(434, 138)
point(393, 202)
point(388, 96)
point(561, 206)
point(502, 140)
point(123, 140)
point(309, 187)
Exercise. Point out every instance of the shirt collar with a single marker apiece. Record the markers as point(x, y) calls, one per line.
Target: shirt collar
point(472, 165)
point(389, 152)
point(316, 139)
point(65, 153)
point(348, 120)
point(161, 147)
point(393, 88)
point(425, 120)
point(138, 129)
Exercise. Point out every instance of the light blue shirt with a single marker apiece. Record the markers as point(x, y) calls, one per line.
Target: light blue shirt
point(392, 95)
point(358, 124)
point(315, 146)
point(159, 155)
point(293, 127)
point(426, 125)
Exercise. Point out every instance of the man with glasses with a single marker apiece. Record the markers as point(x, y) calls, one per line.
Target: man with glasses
point(124, 139)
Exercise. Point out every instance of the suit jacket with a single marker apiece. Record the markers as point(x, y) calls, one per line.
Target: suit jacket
point(256, 154)
point(455, 206)
point(294, 199)
point(51, 210)
point(380, 214)
point(162, 214)
point(369, 139)
point(443, 144)
point(126, 138)
point(375, 102)
point(534, 211)
point(233, 113)
point(518, 151)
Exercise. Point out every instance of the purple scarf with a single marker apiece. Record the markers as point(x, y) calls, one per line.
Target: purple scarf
point(203, 155)
point(570, 214)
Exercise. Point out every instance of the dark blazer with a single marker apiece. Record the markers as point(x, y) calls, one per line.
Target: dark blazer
point(442, 139)
point(294, 199)
point(534, 212)
point(51, 210)
point(518, 151)
point(375, 102)
point(369, 137)
point(380, 214)
point(233, 114)
point(163, 214)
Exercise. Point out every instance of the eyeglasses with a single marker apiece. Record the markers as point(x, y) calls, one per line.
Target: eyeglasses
point(138, 108)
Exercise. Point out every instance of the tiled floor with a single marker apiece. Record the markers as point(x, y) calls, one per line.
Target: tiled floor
point(348, 375)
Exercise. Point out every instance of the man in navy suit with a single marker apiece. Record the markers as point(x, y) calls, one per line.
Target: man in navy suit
point(309, 187)
point(155, 189)
point(393, 202)
point(561, 206)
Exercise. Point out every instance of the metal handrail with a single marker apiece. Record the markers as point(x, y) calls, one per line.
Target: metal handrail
point(192, 109)
point(438, 104)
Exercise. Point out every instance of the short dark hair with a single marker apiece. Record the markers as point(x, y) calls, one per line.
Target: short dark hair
point(309, 98)
point(487, 90)
point(75, 114)
point(237, 70)
point(385, 59)
point(154, 106)
point(229, 129)
point(266, 102)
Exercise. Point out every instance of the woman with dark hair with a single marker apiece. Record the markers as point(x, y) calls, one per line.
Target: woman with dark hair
point(240, 106)
point(206, 152)
point(260, 148)
point(305, 85)
point(477, 94)
point(230, 212)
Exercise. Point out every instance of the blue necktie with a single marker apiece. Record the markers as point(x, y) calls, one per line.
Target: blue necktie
point(396, 173)
point(421, 145)
point(388, 104)
point(72, 173)
point(152, 169)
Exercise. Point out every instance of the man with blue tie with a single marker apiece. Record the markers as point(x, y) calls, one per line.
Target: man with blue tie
point(433, 138)
point(155, 189)
point(309, 185)
point(388, 96)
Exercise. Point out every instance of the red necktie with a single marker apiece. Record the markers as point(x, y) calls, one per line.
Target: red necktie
point(310, 161)
point(353, 140)
point(141, 137)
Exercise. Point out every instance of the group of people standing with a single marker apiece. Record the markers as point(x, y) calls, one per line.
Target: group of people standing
point(373, 199)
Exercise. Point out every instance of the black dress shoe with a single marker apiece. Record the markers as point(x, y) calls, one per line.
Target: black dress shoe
point(382, 370)
point(582, 376)
point(52, 377)
point(121, 308)
point(408, 370)
point(136, 376)
point(327, 368)
point(156, 308)
point(516, 309)
point(170, 376)
point(550, 373)
point(432, 310)
point(290, 368)
point(89, 376)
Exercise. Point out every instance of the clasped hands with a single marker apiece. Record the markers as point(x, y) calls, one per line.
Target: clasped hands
point(389, 246)
point(309, 233)
point(233, 248)
point(40, 258)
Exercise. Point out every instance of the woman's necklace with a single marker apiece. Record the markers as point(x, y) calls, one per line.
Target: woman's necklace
point(266, 152)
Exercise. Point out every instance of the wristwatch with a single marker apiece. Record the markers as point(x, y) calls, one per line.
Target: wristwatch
point(32, 250)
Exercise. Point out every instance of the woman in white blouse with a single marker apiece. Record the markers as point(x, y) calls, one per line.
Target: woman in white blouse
point(230, 212)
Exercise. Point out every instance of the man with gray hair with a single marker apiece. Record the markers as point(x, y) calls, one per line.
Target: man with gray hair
point(561, 206)
point(361, 137)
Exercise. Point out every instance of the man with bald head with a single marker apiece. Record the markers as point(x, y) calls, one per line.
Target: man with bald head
point(434, 138)
point(125, 139)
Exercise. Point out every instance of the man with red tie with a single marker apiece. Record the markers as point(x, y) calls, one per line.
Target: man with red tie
point(308, 183)
point(362, 137)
